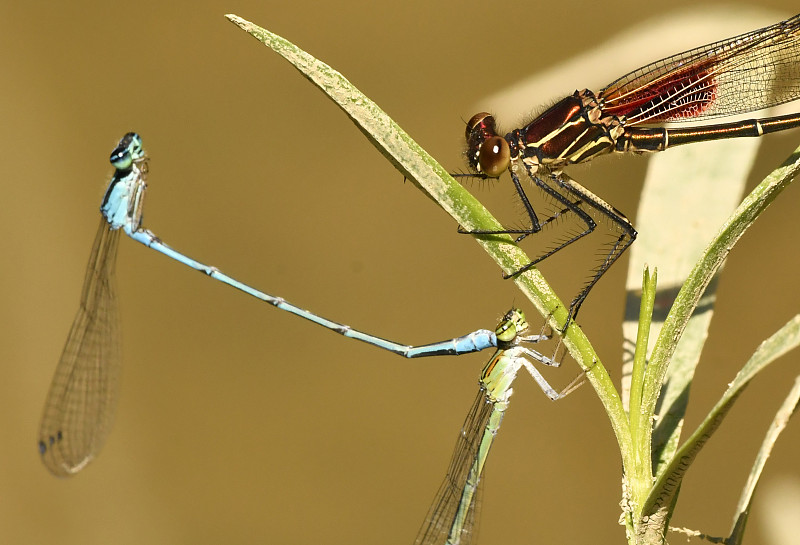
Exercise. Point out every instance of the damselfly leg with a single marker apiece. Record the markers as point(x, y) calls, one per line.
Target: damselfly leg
point(453, 514)
point(749, 72)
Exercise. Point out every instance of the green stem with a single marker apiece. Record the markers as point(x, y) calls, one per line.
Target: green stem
point(419, 167)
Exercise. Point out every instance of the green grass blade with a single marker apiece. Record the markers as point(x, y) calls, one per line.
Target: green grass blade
point(656, 509)
point(787, 409)
point(637, 419)
point(657, 505)
point(419, 167)
point(717, 173)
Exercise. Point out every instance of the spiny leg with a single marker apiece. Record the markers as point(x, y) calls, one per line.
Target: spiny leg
point(555, 185)
point(627, 234)
point(584, 197)
point(535, 226)
point(571, 206)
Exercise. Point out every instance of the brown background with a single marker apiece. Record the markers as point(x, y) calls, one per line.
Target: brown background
point(240, 424)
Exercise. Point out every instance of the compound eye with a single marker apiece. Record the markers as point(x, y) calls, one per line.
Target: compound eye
point(482, 121)
point(127, 151)
point(121, 158)
point(494, 156)
point(506, 331)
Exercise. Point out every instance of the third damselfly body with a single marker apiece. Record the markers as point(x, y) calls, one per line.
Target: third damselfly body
point(742, 74)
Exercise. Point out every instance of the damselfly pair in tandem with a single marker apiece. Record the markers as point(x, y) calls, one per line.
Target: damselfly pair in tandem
point(82, 400)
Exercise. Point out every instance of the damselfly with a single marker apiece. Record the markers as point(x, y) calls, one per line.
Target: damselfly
point(80, 405)
point(749, 72)
point(452, 515)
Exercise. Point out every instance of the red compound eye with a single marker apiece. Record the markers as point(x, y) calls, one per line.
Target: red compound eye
point(494, 156)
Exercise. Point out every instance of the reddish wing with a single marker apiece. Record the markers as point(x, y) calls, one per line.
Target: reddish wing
point(745, 73)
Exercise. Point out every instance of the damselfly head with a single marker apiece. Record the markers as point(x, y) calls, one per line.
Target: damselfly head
point(512, 324)
point(487, 152)
point(128, 151)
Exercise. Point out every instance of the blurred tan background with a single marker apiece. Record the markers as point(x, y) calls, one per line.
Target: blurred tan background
point(241, 424)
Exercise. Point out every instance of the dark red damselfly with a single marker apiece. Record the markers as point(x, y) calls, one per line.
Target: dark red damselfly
point(742, 74)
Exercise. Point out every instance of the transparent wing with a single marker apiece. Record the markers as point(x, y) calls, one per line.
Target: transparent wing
point(745, 73)
point(449, 504)
point(80, 406)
